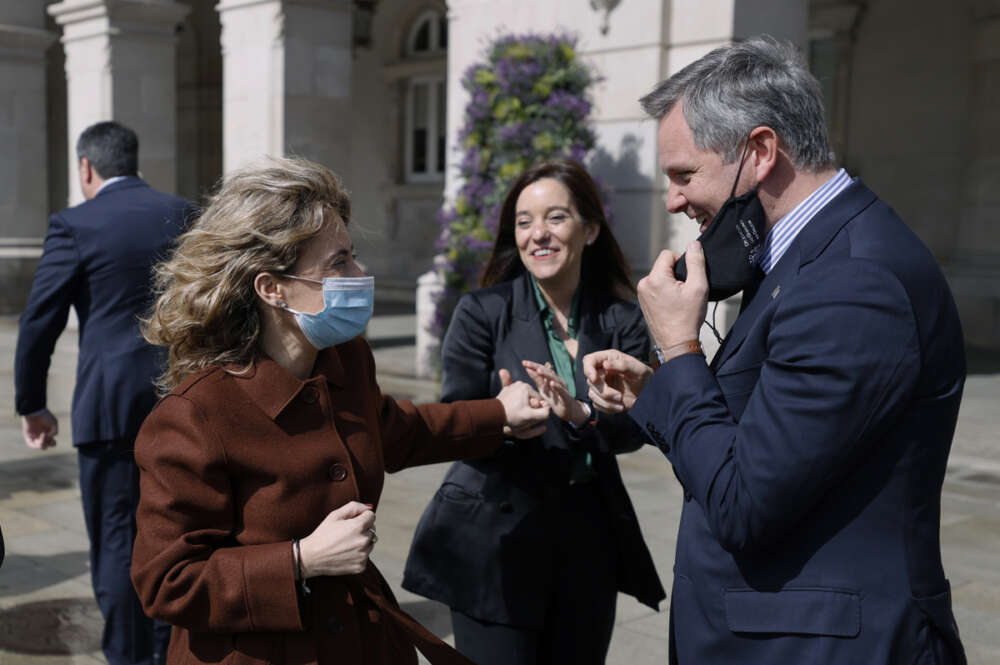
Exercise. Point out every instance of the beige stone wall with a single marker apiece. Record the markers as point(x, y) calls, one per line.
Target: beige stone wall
point(394, 227)
point(922, 120)
point(199, 101)
point(907, 111)
point(24, 181)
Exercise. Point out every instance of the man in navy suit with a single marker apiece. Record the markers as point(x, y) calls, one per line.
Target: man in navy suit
point(98, 258)
point(812, 450)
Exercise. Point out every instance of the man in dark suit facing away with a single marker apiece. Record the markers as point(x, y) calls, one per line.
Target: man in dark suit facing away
point(98, 257)
point(812, 450)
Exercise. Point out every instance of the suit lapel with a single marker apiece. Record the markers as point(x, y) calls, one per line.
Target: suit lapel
point(770, 289)
point(527, 336)
point(810, 243)
point(591, 337)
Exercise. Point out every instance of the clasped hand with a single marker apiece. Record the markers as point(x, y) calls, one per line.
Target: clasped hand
point(555, 392)
point(524, 407)
point(341, 544)
point(673, 310)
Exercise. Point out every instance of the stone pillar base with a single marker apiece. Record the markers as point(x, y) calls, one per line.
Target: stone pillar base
point(428, 347)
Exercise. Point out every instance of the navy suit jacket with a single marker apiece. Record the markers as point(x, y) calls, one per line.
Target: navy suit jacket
point(812, 453)
point(484, 544)
point(98, 257)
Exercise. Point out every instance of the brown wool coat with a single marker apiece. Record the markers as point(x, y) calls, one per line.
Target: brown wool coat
point(234, 467)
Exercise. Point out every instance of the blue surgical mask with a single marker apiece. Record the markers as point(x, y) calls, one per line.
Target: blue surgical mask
point(349, 305)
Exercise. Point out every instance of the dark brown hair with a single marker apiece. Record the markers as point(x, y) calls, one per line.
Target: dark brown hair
point(603, 269)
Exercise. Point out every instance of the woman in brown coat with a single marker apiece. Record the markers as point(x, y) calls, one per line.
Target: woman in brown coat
point(261, 468)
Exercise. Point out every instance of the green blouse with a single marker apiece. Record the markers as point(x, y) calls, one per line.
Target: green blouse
point(582, 465)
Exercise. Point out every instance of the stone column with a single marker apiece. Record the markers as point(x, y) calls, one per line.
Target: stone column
point(838, 20)
point(23, 168)
point(286, 80)
point(974, 273)
point(120, 65)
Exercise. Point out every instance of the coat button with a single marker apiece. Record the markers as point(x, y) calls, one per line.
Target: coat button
point(506, 507)
point(687, 495)
point(310, 395)
point(338, 472)
point(333, 625)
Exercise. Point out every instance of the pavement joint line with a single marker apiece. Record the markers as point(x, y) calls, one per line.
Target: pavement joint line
point(964, 463)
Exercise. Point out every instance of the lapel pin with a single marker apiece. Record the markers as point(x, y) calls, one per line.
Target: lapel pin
point(777, 290)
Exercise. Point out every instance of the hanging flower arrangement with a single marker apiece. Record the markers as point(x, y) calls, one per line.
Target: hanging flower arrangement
point(529, 101)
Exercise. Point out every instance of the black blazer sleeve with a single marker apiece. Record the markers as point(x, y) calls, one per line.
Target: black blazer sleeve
point(617, 433)
point(467, 353)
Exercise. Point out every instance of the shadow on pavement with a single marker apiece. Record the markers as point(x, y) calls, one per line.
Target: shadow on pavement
point(52, 627)
point(20, 574)
point(38, 474)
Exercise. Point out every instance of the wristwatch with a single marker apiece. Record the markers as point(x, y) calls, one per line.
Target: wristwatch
point(659, 355)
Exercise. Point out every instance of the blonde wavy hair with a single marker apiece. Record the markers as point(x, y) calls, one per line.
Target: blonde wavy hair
point(258, 221)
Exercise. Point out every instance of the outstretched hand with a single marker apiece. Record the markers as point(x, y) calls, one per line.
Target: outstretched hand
point(615, 379)
point(525, 409)
point(554, 390)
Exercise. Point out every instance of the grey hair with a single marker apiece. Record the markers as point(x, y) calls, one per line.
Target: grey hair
point(735, 88)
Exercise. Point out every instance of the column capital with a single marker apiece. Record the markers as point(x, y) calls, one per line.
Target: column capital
point(24, 43)
point(81, 19)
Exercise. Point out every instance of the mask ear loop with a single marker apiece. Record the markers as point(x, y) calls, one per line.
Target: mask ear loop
point(732, 194)
point(739, 171)
point(711, 324)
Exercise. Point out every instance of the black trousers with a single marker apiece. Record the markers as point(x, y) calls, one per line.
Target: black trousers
point(581, 612)
point(109, 486)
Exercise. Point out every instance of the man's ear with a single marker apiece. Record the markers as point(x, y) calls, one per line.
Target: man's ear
point(269, 289)
point(763, 152)
point(86, 171)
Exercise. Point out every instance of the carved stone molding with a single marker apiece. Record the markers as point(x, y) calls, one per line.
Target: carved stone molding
point(24, 43)
point(83, 19)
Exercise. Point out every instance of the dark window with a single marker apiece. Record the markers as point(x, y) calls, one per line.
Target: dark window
point(422, 42)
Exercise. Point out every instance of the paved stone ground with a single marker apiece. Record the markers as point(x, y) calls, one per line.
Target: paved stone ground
point(48, 616)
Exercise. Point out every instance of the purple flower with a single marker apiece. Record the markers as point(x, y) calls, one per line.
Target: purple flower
point(476, 190)
point(514, 133)
point(562, 101)
point(577, 152)
point(471, 161)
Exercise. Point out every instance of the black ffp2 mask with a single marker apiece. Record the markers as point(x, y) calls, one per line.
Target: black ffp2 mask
point(732, 244)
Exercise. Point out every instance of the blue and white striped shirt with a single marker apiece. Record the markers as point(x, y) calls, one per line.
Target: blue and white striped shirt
point(781, 235)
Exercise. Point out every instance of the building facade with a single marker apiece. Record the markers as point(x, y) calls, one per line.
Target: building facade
point(371, 89)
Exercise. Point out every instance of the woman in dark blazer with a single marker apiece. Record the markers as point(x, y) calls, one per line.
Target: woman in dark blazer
point(261, 469)
point(529, 546)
